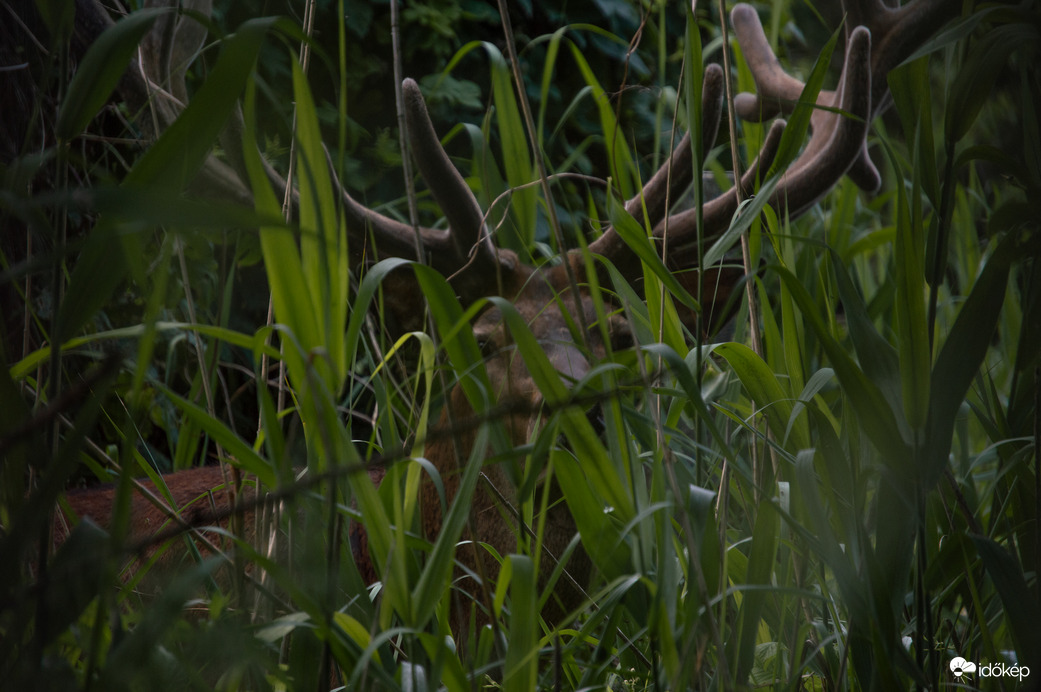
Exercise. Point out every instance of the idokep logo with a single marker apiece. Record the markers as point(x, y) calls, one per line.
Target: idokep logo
point(959, 666)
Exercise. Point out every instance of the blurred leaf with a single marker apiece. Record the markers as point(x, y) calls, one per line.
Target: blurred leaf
point(17, 447)
point(1020, 605)
point(75, 576)
point(168, 164)
point(1008, 163)
point(963, 352)
point(162, 206)
point(874, 412)
point(1028, 350)
point(32, 522)
point(59, 16)
point(978, 74)
point(135, 658)
point(101, 69)
point(444, 90)
point(359, 17)
point(912, 329)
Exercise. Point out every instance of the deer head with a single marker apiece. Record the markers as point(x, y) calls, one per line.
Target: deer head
point(556, 299)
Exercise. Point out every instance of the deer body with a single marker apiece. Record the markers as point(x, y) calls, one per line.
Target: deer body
point(199, 496)
point(555, 300)
point(198, 492)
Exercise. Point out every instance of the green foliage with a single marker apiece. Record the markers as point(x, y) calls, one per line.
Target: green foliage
point(850, 508)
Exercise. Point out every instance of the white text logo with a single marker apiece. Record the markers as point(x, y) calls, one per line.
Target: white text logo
point(959, 666)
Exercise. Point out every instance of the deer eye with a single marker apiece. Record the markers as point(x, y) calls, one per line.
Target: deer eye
point(487, 342)
point(487, 346)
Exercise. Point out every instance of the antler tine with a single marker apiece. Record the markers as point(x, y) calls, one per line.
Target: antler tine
point(392, 238)
point(895, 32)
point(673, 177)
point(839, 146)
point(682, 227)
point(778, 93)
point(718, 212)
point(172, 44)
point(449, 250)
point(468, 234)
point(464, 250)
point(669, 181)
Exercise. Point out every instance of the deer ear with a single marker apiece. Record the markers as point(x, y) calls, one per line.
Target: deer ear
point(402, 303)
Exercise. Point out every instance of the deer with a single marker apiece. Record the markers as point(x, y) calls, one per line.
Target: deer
point(556, 299)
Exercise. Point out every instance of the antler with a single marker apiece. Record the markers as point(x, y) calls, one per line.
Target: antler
point(881, 40)
point(153, 87)
point(464, 250)
point(895, 33)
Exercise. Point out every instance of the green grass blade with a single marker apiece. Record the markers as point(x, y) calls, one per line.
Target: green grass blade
point(634, 236)
point(763, 388)
point(290, 296)
point(761, 560)
point(875, 413)
point(521, 651)
point(620, 160)
point(101, 69)
point(963, 352)
point(799, 122)
point(876, 356)
point(516, 157)
point(979, 73)
point(243, 454)
point(437, 572)
point(323, 239)
point(912, 330)
point(1020, 604)
point(168, 164)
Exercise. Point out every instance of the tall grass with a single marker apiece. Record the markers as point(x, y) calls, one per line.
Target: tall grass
point(873, 515)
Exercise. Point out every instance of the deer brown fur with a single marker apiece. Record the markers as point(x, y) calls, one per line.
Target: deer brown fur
point(199, 498)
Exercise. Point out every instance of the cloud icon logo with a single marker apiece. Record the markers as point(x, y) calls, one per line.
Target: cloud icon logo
point(960, 667)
